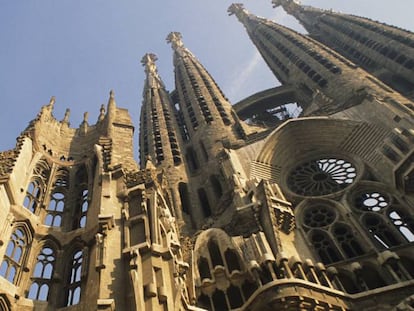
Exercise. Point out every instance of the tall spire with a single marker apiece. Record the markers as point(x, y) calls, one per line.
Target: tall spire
point(158, 128)
point(385, 51)
point(201, 101)
point(310, 66)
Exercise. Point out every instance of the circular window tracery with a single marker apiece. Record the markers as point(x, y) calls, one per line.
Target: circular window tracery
point(319, 216)
point(374, 201)
point(321, 176)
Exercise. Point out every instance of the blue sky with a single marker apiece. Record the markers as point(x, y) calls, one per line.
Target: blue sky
point(77, 50)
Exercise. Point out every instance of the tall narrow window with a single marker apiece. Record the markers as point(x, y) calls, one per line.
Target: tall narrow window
point(403, 222)
point(380, 231)
point(215, 254)
point(75, 278)
point(33, 196)
point(184, 197)
point(205, 205)
point(15, 253)
point(192, 160)
point(82, 202)
point(42, 275)
point(347, 241)
point(83, 208)
point(55, 210)
point(36, 188)
point(325, 247)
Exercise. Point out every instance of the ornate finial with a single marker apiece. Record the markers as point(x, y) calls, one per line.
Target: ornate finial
point(175, 38)
point(288, 5)
point(238, 10)
point(148, 61)
point(101, 113)
point(235, 8)
point(111, 94)
point(66, 117)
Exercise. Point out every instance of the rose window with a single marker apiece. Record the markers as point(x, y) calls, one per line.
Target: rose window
point(321, 176)
point(319, 216)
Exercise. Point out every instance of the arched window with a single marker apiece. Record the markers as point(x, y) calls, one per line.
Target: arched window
point(232, 260)
point(347, 241)
point(15, 255)
point(55, 210)
point(380, 231)
point(324, 247)
point(33, 195)
point(184, 197)
point(36, 188)
point(42, 274)
point(403, 222)
point(205, 205)
point(384, 218)
point(57, 199)
point(215, 254)
point(75, 279)
point(203, 268)
point(79, 220)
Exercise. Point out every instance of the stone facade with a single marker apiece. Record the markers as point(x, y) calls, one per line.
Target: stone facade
point(244, 207)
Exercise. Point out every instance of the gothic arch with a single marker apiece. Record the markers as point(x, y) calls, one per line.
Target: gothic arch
point(43, 271)
point(4, 303)
point(324, 225)
point(37, 186)
point(77, 259)
point(216, 247)
point(83, 195)
point(17, 252)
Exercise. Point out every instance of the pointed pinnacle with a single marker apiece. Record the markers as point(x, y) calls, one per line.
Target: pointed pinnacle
point(52, 102)
point(175, 38)
point(66, 117)
point(111, 101)
point(85, 117)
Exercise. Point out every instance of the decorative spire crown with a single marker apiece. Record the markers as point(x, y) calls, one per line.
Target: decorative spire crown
point(175, 38)
point(288, 5)
point(237, 9)
point(148, 61)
